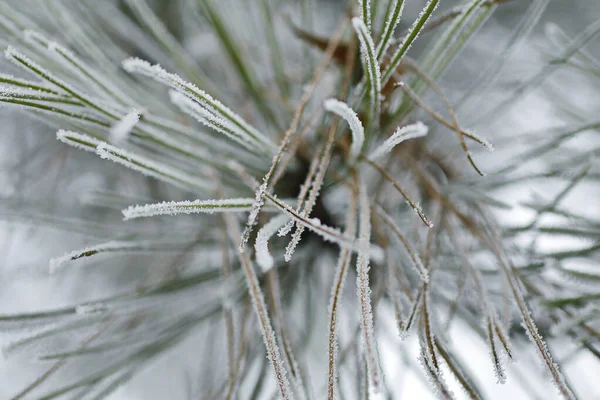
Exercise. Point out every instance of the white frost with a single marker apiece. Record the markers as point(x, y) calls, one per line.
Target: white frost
point(120, 131)
point(263, 258)
point(407, 132)
point(358, 132)
point(188, 207)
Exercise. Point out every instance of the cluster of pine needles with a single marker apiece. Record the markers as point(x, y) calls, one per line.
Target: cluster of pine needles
point(344, 208)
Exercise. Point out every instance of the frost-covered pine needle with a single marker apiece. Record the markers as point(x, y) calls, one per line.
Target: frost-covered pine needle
point(264, 259)
point(188, 207)
point(254, 212)
point(156, 72)
point(495, 357)
point(434, 375)
point(58, 263)
point(479, 139)
point(206, 117)
point(370, 65)
point(365, 13)
point(408, 40)
point(260, 307)
point(364, 291)
point(149, 167)
point(356, 127)
point(25, 62)
point(403, 133)
point(337, 290)
point(78, 140)
point(391, 23)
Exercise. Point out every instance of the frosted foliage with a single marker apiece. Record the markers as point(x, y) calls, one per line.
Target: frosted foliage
point(291, 247)
point(78, 140)
point(370, 66)
point(364, 291)
point(188, 207)
point(495, 357)
point(390, 27)
point(337, 291)
point(264, 258)
point(149, 167)
point(156, 72)
point(56, 263)
point(286, 228)
point(409, 39)
point(257, 205)
point(328, 233)
point(252, 119)
point(434, 375)
point(480, 139)
point(407, 132)
point(206, 117)
point(23, 61)
point(365, 12)
point(358, 133)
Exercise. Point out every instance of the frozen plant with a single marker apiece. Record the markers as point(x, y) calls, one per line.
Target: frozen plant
point(266, 152)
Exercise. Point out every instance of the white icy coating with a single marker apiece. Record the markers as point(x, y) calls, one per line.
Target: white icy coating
point(67, 59)
point(78, 140)
point(358, 132)
point(407, 132)
point(257, 205)
point(480, 139)
point(205, 117)
point(390, 27)
point(409, 39)
point(120, 131)
point(149, 167)
point(304, 188)
point(188, 207)
point(58, 262)
point(370, 66)
point(23, 61)
point(337, 290)
point(156, 72)
point(364, 291)
point(434, 375)
point(132, 161)
point(264, 259)
point(365, 12)
point(328, 233)
point(25, 84)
